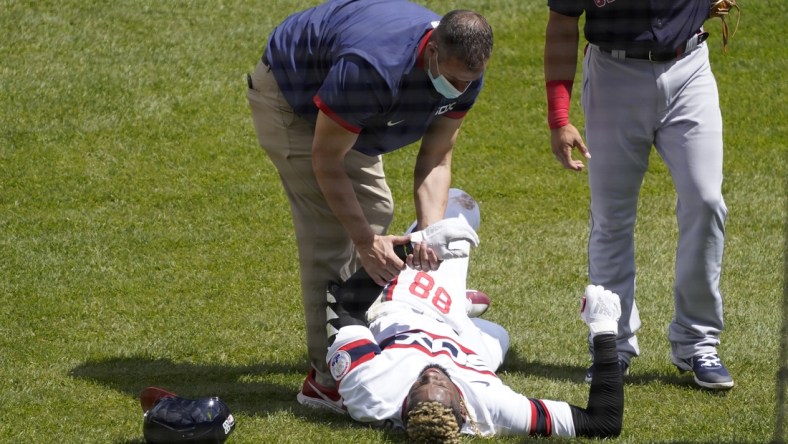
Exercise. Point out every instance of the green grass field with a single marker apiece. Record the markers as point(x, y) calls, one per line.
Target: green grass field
point(145, 238)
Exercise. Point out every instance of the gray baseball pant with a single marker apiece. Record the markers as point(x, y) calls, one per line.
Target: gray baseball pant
point(630, 106)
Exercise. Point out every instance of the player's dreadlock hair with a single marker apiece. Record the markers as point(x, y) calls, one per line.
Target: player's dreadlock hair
point(433, 423)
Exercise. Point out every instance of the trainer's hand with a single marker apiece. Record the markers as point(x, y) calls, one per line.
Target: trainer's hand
point(450, 238)
point(562, 141)
point(380, 260)
point(600, 309)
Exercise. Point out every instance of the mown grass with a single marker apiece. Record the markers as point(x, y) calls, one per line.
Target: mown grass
point(146, 239)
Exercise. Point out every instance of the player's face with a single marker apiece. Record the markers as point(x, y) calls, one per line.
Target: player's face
point(433, 385)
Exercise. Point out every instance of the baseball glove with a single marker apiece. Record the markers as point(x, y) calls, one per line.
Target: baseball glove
point(722, 9)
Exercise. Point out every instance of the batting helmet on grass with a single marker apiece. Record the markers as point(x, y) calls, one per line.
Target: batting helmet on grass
point(173, 419)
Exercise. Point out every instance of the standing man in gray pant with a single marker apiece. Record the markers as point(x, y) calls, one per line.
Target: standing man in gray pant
point(646, 82)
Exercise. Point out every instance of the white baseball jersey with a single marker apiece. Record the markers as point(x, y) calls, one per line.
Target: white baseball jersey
point(422, 320)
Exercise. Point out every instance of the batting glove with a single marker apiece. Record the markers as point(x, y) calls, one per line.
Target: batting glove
point(450, 238)
point(600, 309)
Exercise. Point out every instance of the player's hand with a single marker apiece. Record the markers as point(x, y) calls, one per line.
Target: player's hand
point(600, 309)
point(562, 141)
point(449, 238)
point(423, 258)
point(380, 260)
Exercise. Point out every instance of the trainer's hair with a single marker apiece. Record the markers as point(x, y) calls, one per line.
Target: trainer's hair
point(433, 423)
point(465, 35)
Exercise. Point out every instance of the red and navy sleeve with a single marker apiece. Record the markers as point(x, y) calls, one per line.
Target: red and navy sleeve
point(353, 346)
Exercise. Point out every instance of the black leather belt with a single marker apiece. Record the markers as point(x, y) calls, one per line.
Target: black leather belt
point(249, 77)
point(656, 55)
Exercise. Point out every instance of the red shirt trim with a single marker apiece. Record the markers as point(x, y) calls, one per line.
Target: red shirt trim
point(334, 116)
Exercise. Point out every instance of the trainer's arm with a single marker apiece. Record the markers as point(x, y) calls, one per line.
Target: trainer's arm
point(560, 62)
point(431, 181)
point(331, 143)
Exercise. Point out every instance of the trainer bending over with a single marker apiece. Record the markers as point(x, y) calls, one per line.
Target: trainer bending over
point(338, 86)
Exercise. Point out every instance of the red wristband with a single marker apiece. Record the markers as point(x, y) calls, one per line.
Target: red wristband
point(558, 94)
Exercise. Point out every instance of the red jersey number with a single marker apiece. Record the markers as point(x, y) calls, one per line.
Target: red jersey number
point(422, 287)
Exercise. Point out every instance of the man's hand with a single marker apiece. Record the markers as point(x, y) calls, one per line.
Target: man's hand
point(600, 309)
point(562, 141)
point(380, 260)
point(449, 238)
point(423, 258)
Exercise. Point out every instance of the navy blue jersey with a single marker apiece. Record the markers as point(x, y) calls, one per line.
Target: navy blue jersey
point(360, 62)
point(653, 24)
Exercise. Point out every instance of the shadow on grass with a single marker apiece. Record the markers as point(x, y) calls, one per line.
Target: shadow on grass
point(263, 388)
point(252, 390)
point(247, 388)
point(572, 373)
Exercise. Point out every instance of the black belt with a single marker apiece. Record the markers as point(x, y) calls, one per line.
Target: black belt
point(249, 77)
point(656, 55)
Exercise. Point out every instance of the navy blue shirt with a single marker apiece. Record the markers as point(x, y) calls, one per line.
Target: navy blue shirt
point(360, 62)
point(652, 24)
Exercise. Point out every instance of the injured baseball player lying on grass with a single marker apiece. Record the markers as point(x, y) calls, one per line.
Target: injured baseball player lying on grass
point(409, 357)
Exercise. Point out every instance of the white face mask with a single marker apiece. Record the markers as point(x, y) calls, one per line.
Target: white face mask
point(443, 86)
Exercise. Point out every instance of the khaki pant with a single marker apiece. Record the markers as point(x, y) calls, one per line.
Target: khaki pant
point(325, 250)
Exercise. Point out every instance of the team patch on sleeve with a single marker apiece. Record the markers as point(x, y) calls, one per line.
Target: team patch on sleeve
point(340, 364)
point(351, 355)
